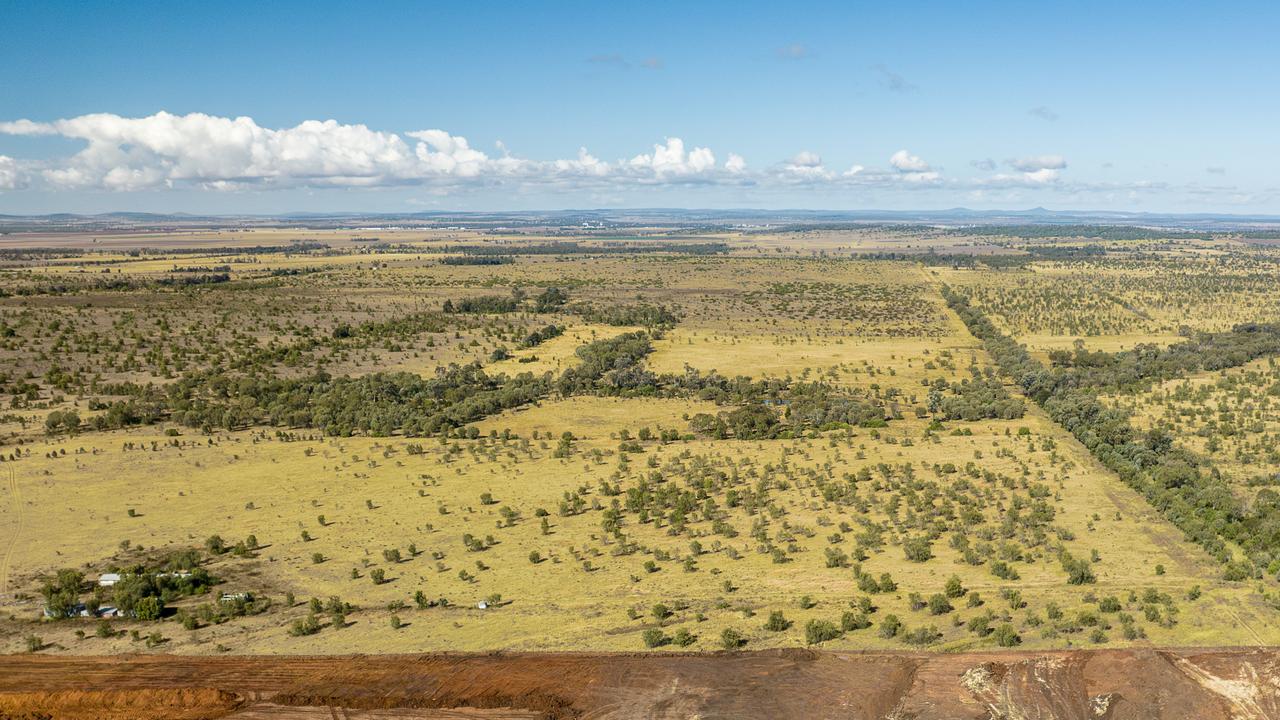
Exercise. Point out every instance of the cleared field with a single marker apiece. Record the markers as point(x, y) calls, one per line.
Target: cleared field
point(793, 684)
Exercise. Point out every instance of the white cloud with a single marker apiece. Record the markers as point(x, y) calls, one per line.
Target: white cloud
point(1043, 175)
point(903, 161)
point(585, 164)
point(198, 151)
point(671, 159)
point(26, 127)
point(1038, 162)
point(219, 153)
point(445, 154)
point(9, 177)
point(804, 158)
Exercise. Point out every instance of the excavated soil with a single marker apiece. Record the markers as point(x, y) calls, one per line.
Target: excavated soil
point(802, 684)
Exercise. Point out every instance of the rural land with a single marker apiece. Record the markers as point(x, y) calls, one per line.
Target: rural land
point(603, 465)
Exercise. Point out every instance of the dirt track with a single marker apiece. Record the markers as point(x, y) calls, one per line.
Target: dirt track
point(1079, 685)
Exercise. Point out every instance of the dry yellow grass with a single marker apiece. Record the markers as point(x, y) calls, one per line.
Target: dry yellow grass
point(746, 314)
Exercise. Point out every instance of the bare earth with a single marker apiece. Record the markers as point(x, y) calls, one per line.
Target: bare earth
point(1072, 685)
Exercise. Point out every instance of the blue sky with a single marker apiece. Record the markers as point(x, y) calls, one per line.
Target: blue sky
point(821, 105)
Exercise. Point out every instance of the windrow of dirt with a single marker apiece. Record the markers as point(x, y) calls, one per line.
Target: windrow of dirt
point(802, 684)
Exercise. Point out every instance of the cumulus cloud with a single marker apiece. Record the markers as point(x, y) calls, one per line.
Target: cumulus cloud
point(9, 178)
point(671, 159)
point(986, 164)
point(26, 127)
point(584, 165)
point(804, 166)
point(905, 162)
point(442, 153)
point(229, 154)
point(804, 158)
point(1033, 170)
point(220, 153)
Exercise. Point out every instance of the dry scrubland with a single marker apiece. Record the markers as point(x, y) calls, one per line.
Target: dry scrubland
point(616, 514)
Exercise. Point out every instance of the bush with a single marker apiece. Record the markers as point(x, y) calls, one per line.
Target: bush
point(890, 626)
point(922, 636)
point(917, 549)
point(731, 639)
point(777, 622)
point(310, 625)
point(819, 631)
point(854, 621)
point(148, 608)
point(653, 637)
point(938, 605)
point(1006, 636)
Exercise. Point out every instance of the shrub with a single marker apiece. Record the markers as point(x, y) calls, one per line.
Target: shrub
point(938, 604)
point(917, 549)
point(854, 621)
point(660, 612)
point(922, 636)
point(310, 625)
point(890, 626)
point(653, 637)
point(777, 622)
point(148, 608)
point(819, 631)
point(731, 639)
point(1006, 636)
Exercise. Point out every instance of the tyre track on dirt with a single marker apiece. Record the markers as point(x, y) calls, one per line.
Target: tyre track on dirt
point(16, 499)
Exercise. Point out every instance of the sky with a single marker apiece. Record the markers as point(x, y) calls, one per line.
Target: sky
point(251, 107)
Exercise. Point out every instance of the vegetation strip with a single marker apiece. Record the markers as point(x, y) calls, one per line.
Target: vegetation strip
point(1172, 479)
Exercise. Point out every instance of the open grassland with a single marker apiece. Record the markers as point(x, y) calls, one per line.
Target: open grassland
point(375, 495)
point(610, 447)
